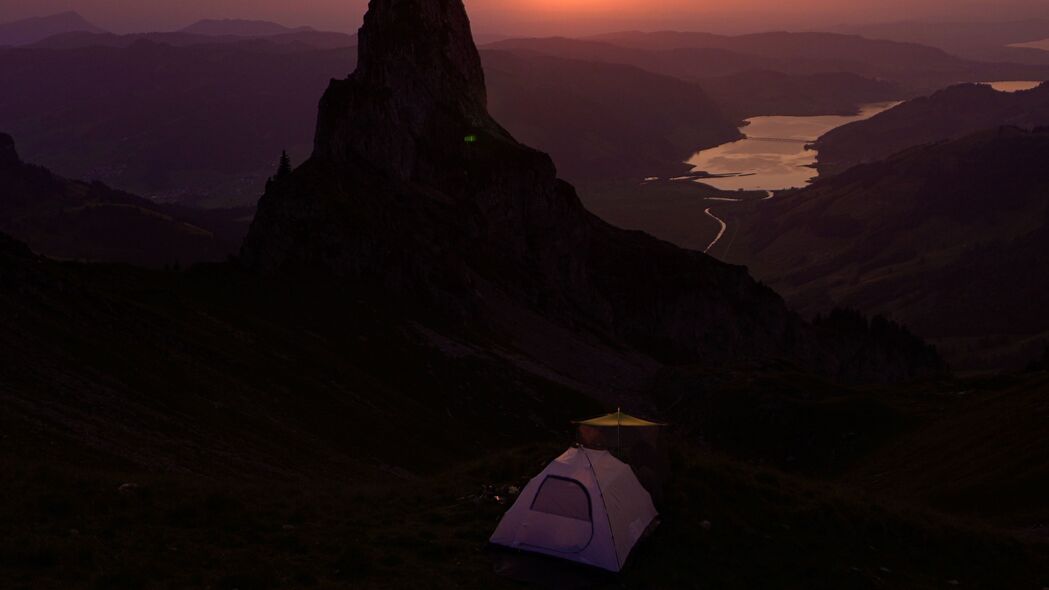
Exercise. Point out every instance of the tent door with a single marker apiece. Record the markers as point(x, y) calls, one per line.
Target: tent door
point(560, 518)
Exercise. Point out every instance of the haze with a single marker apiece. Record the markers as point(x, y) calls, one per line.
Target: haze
point(540, 17)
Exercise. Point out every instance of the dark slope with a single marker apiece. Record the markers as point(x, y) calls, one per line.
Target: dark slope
point(770, 93)
point(213, 429)
point(414, 187)
point(950, 113)
point(89, 221)
point(980, 451)
point(214, 374)
point(603, 121)
point(947, 238)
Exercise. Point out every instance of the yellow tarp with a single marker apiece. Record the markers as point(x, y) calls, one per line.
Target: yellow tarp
point(618, 419)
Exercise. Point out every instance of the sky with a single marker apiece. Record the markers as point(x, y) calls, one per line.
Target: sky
point(542, 17)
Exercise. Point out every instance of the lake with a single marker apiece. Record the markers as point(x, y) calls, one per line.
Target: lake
point(774, 155)
point(1013, 86)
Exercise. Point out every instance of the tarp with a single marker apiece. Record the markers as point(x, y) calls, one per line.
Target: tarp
point(618, 419)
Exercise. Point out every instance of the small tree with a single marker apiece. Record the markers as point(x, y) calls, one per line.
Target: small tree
point(284, 168)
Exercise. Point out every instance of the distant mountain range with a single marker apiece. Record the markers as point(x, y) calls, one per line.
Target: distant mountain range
point(208, 130)
point(85, 40)
point(947, 114)
point(69, 30)
point(985, 41)
point(241, 28)
point(32, 30)
point(696, 56)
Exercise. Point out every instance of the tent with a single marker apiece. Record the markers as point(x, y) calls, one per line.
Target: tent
point(586, 506)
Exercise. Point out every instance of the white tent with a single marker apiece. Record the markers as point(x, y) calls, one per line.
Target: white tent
point(586, 506)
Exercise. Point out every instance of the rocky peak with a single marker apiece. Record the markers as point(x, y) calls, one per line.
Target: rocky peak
point(418, 92)
point(8, 153)
point(422, 51)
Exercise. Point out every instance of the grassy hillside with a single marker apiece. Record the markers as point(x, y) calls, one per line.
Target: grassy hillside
point(942, 238)
point(725, 525)
point(206, 428)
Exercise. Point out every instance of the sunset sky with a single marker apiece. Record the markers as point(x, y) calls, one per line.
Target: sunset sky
point(540, 16)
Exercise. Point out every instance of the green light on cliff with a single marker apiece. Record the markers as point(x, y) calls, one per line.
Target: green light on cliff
point(470, 139)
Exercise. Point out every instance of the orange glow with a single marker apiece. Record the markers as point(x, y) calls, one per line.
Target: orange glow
point(583, 6)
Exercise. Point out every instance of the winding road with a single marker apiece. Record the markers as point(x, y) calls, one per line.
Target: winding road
point(721, 234)
point(724, 226)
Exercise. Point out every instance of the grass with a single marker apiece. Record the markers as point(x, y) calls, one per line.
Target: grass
point(74, 528)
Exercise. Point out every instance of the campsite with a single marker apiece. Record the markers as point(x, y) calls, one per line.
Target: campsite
point(513, 294)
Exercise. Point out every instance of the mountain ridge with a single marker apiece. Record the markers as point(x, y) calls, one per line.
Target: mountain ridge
point(950, 113)
point(31, 30)
point(414, 187)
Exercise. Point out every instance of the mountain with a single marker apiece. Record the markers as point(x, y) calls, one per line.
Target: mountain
point(89, 221)
point(562, 106)
point(743, 85)
point(696, 56)
point(31, 30)
point(944, 238)
point(769, 93)
point(414, 190)
point(692, 63)
point(307, 38)
point(884, 55)
point(319, 415)
point(202, 124)
point(987, 41)
point(199, 120)
point(950, 113)
point(240, 28)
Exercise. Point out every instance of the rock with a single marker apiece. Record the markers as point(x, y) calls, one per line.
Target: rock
point(8, 153)
point(413, 190)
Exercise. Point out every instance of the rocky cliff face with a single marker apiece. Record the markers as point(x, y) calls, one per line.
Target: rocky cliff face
point(8, 153)
point(414, 189)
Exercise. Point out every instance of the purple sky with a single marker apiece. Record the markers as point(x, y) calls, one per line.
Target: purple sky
point(541, 16)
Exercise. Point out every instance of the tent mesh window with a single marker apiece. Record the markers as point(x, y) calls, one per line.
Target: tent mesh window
point(563, 497)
